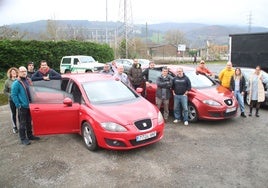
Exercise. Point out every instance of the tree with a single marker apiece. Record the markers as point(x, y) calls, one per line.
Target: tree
point(10, 34)
point(175, 37)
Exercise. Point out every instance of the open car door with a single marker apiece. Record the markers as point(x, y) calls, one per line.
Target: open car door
point(53, 111)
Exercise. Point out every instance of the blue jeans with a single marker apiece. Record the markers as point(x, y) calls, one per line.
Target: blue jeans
point(240, 99)
point(181, 106)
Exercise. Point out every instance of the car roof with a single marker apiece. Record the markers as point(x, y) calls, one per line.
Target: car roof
point(173, 68)
point(87, 77)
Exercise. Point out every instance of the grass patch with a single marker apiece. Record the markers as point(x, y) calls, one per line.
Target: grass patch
point(3, 97)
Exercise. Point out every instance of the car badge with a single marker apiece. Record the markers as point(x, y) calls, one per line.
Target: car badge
point(144, 124)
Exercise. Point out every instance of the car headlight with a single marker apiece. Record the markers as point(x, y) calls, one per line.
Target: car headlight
point(160, 118)
point(114, 127)
point(211, 103)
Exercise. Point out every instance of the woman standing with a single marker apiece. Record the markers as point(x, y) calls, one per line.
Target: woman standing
point(12, 75)
point(256, 91)
point(238, 88)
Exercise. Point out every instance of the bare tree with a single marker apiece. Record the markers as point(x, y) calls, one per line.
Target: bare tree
point(11, 34)
point(175, 37)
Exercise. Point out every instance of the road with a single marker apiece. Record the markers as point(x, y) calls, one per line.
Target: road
point(230, 153)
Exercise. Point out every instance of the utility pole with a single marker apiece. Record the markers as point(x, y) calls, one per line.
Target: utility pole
point(249, 22)
point(125, 31)
point(106, 29)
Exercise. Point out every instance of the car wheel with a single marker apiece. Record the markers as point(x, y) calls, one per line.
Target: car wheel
point(89, 137)
point(192, 113)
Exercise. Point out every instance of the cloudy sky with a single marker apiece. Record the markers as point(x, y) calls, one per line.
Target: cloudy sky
point(233, 12)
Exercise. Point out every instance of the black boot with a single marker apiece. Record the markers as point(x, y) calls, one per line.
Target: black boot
point(257, 113)
point(243, 115)
point(250, 111)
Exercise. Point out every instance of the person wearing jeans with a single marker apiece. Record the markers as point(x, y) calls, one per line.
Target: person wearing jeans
point(181, 85)
point(238, 88)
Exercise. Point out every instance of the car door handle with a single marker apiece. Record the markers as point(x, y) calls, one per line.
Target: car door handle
point(36, 109)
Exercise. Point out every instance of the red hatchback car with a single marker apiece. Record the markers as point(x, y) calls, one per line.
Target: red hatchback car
point(207, 99)
point(105, 112)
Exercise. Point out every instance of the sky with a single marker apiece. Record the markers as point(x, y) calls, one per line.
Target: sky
point(231, 12)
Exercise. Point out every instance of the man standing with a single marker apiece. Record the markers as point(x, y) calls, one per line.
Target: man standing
point(202, 69)
point(181, 86)
point(21, 97)
point(145, 73)
point(163, 91)
point(45, 73)
point(121, 76)
point(226, 75)
point(107, 70)
point(30, 69)
point(135, 76)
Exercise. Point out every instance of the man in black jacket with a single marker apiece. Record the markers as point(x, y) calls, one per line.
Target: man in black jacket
point(181, 86)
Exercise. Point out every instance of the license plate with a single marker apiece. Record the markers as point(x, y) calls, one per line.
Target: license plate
point(145, 136)
point(230, 109)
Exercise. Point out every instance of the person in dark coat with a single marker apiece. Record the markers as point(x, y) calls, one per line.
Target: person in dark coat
point(45, 73)
point(163, 91)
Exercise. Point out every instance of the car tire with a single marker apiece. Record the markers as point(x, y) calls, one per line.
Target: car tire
point(89, 137)
point(192, 113)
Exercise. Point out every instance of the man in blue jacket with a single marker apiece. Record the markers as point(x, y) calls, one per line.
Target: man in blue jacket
point(21, 97)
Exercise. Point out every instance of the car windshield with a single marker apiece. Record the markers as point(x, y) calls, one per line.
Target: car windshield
point(87, 59)
point(199, 80)
point(108, 91)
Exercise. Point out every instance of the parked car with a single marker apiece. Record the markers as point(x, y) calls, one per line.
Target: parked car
point(144, 63)
point(127, 63)
point(207, 99)
point(79, 64)
point(247, 72)
point(84, 104)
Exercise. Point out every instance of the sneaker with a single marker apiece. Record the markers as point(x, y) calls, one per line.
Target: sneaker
point(25, 142)
point(34, 138)
point(250, 114)
point(15, 130)
point(243, 115)
point(257, 115)
point(186, 123)
point(176, 121)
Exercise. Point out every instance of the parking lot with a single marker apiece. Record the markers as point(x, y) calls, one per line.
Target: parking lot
point(230, 153)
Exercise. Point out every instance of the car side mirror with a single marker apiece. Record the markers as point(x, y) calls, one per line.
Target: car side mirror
point(67, 101)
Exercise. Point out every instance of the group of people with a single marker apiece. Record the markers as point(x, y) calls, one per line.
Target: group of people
point(234, 80)
point(17, 89)
point(19, 79)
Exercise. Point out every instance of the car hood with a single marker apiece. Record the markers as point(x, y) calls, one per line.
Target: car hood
point(215, 92)
point(127, 112)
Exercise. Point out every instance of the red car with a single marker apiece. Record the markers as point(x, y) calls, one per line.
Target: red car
point(207, 99)
point(105, 112)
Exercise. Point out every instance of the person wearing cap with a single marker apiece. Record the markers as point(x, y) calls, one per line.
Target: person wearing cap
point(202, 69)
point(30, 69)
point(45, 73)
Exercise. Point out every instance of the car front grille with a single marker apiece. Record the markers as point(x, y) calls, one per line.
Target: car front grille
point(143, 124)
point(228, 102)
